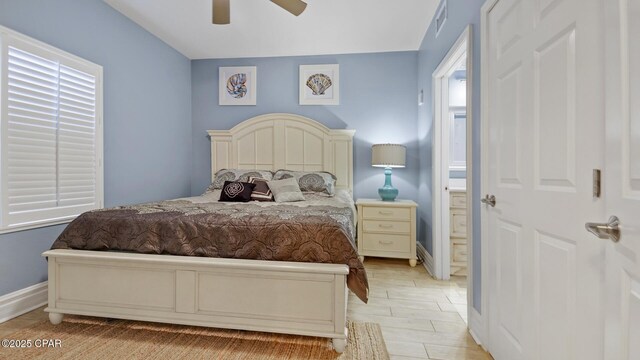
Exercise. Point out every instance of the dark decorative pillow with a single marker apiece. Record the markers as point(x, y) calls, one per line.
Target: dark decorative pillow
point(241, 175)
point(236, 191)
point(261, 192)
point(310, 181)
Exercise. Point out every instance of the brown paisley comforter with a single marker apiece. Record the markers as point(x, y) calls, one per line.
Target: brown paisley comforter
point(319, 230)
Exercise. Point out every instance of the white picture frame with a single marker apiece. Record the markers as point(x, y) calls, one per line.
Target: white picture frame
point(237, 85)
point(325, 90)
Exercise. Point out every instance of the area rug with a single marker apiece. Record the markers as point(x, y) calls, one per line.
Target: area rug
point(96, 338)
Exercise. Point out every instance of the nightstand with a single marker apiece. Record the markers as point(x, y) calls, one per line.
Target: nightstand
point(458, 231)
point(387, 229)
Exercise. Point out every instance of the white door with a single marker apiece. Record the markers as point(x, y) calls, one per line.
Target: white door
point(622, 180)
point(545, 137)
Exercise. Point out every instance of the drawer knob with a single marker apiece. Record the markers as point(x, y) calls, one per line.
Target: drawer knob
point(385, 212)
point(385, 242)
point(385, 226)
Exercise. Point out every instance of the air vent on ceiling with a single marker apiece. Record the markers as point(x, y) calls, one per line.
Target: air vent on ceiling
point(441, 17)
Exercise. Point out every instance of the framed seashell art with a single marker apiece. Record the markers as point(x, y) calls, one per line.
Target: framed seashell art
point(237, 85)
point(320, 84)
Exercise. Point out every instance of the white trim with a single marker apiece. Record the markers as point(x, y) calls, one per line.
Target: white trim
point(427, 259)
point(470, 191)
point(22, 301)
point(482, 326)
point(35, 42)
point(38, 224)
point(440, 137)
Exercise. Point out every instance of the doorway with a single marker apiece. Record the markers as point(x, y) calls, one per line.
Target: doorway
point(452, 172)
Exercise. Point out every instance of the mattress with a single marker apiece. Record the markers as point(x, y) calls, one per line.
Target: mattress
point(320, 229)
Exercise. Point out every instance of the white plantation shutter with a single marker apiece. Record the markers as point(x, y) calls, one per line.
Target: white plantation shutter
point(50, 134)
point(76, 139)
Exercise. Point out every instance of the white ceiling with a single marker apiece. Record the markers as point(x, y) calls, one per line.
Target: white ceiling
point(260, 28)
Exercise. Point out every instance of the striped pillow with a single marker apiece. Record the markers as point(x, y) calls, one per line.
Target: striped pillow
point(261, 192)
point(286, 190)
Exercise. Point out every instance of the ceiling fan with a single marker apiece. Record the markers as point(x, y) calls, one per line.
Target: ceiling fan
point(221, 9)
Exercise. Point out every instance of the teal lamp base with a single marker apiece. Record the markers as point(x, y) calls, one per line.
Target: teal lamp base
point(387, 192)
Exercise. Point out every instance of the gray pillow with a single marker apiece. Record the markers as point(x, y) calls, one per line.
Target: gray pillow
point(237, 175)
point(312, 181)
point(286, 190)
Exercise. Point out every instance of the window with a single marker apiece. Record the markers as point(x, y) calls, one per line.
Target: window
point(50, 134)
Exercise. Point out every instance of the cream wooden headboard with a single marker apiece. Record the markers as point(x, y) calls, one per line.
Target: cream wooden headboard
point(284, 141)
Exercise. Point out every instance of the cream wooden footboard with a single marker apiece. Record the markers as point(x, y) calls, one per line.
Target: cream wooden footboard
point(281, 297)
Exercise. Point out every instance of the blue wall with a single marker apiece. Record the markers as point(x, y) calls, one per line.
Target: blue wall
point(432, 52)
point(158, 100)
point(377, 99)
point(147, 114)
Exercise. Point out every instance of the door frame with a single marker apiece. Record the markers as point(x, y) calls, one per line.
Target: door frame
point(440, 153)
point(479, 321)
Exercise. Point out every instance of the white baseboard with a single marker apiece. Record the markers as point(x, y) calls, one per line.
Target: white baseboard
point(477, 327)
point(22, 301)
point(427, 259)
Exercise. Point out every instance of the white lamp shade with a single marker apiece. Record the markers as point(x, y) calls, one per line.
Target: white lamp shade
point(388, 155)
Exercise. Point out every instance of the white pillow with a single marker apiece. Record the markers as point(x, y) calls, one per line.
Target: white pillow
point(286, 190)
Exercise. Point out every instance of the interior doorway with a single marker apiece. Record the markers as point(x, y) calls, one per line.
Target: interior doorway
point(452, 211)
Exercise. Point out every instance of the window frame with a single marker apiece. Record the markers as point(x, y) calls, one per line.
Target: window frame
point(9, 37)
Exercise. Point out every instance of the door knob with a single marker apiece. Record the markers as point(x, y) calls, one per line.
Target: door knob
point(489, 200)
point(608, 230)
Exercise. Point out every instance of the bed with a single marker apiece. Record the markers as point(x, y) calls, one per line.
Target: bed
point(293, 297)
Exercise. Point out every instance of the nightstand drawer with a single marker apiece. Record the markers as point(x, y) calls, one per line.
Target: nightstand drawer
point(458, 223)
point(382, 213)
point(383, 242)
point(394, 227)
point(459, 253)
point(458, 200)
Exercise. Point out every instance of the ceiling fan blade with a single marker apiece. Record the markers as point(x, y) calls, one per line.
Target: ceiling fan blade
point(296, 7)
point(221, 12)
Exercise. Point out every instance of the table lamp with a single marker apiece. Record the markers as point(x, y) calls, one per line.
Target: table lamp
point(388, 156)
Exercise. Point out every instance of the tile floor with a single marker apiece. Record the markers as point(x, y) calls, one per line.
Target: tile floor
point(421, 318)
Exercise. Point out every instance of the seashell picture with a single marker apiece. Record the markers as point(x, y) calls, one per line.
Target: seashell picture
point(319, 84)
point(237, 85)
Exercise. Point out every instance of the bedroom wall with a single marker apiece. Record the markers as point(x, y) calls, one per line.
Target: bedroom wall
point(147, 114)
point(377, 99)
point(432, 52)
